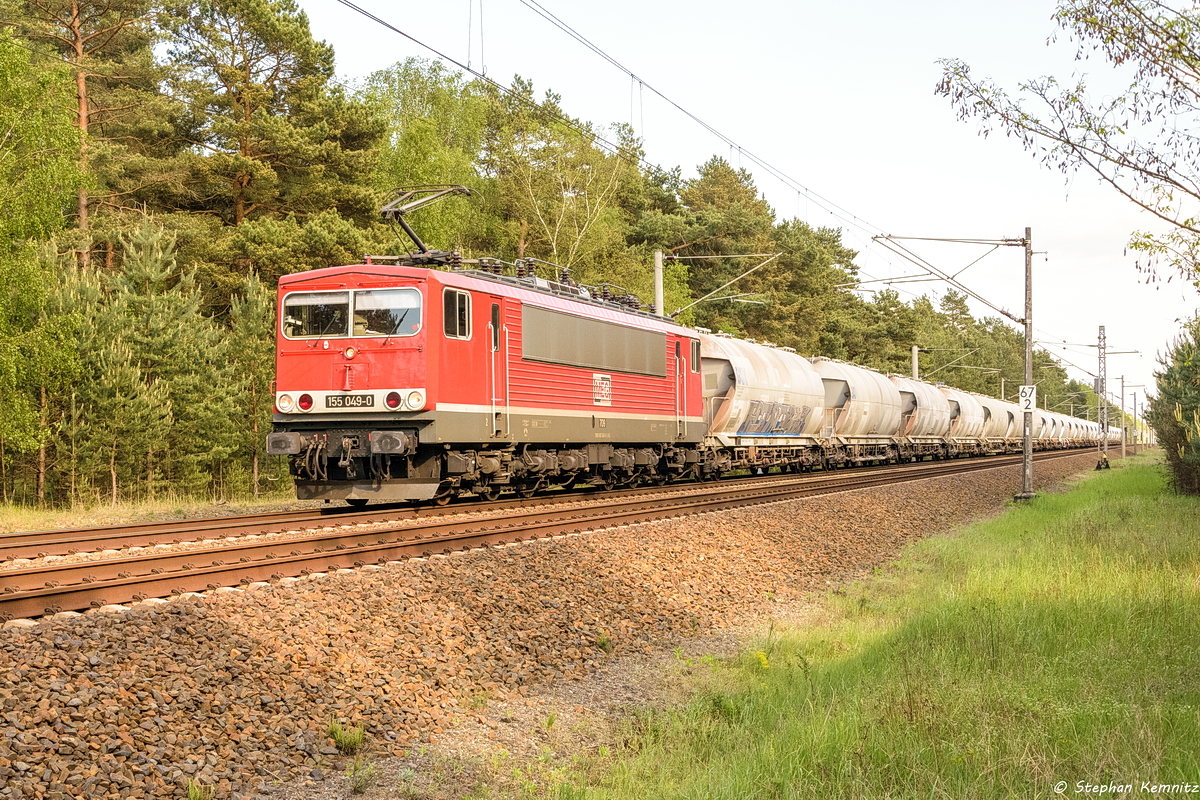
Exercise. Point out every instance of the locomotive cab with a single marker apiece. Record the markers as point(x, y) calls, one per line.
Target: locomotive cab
point(352, 383)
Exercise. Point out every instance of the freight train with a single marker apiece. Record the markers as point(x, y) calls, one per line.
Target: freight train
point(428, 376)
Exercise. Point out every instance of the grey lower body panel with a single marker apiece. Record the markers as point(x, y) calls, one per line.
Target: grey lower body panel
point(554, 427)
point(387, 492)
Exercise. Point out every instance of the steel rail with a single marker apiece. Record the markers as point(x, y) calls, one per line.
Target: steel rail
point(33, 591)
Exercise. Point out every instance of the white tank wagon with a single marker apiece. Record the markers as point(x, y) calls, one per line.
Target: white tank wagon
point(763, 404)
point(966, 423)
point(1066, 430)
point(767, 407)
point(1057, 437)
point(862, 413)
point(1043, 427)
point(1001, 424)
point(924, 418)
point(1079, 431)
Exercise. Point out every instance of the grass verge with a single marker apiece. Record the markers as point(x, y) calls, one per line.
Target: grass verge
point(1053, 648)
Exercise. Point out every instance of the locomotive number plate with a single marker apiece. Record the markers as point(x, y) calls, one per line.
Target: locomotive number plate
point(349, 400)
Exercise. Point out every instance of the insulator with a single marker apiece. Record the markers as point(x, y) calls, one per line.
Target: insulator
point(456, 260)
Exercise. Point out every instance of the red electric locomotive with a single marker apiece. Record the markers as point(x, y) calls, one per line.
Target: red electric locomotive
point(397, 381)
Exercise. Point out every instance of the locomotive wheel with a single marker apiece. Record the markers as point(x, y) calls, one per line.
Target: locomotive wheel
point(442, 499)
point(527, 490)
point(489, 492)
point(358, 502)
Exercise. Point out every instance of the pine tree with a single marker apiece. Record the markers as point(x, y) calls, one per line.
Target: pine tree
point(128, 419)
point(252, 350)
point(276, 136)
point(121, 114)
point(159, 310)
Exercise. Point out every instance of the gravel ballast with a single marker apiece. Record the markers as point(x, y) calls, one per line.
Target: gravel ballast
point(236, 690)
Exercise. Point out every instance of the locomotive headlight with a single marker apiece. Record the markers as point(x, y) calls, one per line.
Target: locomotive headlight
point(416, 400)
point(284, 403)
point(350, 353)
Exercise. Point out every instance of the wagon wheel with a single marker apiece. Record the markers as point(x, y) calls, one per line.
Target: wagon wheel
point(442, 499)
point(488, 492)
point(659, 478)
point(528, 490)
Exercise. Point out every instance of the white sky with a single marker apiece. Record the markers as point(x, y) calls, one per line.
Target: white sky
point(840, 98)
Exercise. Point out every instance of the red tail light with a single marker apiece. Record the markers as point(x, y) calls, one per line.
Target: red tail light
point(305, 402)
point(393, 400)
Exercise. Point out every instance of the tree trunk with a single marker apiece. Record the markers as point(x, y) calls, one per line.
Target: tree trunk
point(74, 453)
point(3, 472)
point(254, 398)
point(41, 461)
point(112, 473)
point(77, 40)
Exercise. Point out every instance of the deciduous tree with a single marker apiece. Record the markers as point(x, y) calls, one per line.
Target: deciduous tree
point(1141, 141)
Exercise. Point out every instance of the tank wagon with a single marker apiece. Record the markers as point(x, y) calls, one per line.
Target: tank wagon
point(426, 376)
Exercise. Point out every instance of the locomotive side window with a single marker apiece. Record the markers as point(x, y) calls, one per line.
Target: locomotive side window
point(696, 355)
point(495, 327)
point(456, 314)
point(308, 315)
point(387, 312)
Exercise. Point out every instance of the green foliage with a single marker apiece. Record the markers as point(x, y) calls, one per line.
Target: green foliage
point(38, 150)
point(361, 775)
point(273, 136)
point(198, 791)
point(1130, 139)
point(349, 740)
point(38, 171)
point(435, 135)
point(252, 353)
point(1174, 413)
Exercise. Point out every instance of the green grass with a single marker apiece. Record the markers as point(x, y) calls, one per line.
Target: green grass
point(168, 506)
point(1058, 642)
point(348, 739)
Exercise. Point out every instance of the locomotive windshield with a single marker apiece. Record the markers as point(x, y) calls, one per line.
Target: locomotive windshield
point(313, 314)
point(375, 312)
point(387, 312)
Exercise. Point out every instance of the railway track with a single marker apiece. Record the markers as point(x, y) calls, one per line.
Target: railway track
point(342, 540)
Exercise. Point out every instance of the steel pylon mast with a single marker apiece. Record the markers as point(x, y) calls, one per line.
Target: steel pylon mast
point(1101, 388)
